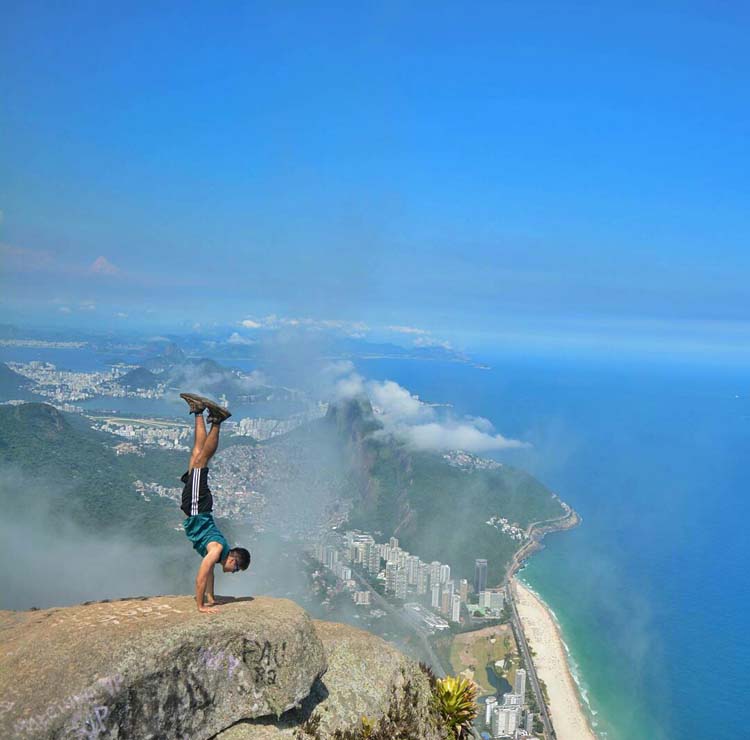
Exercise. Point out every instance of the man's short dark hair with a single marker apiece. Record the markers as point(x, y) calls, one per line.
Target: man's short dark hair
point(241, 557)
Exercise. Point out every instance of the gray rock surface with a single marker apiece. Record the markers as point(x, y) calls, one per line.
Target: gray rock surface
point(366, 677)
point(153, 667)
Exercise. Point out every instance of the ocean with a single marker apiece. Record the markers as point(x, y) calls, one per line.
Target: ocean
point(652, 590)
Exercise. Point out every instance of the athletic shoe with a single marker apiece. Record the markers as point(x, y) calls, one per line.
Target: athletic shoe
point(216, 413)
point(196, 403)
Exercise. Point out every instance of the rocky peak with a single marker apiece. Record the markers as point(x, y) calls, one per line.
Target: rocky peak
point(353, 417)
point(151, 668)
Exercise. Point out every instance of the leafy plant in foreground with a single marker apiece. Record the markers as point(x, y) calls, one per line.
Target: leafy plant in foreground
point(456, 700)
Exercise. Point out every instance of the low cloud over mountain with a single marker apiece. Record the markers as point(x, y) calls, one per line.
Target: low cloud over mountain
point(422, 425)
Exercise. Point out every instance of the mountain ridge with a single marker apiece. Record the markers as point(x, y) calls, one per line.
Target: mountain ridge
point(438, 510)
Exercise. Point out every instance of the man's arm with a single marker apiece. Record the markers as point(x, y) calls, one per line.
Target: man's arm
point(213, 554)
point(210, 600)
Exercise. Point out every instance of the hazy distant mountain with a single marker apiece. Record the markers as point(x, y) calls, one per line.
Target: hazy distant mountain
point(140, 378)
point(169, 356)
point(353, 347)
point(205, 376)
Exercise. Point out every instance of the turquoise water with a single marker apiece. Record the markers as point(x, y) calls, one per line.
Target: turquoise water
point(652, 591)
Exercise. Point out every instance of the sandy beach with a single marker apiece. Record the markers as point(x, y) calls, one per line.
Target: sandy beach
point(551, 664)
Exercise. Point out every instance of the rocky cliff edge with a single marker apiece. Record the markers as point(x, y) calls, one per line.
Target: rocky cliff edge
point(156, 668)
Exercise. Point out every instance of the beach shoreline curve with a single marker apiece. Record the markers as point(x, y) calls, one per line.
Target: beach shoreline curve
point(569, 716)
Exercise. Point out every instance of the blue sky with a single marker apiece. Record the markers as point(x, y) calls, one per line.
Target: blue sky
point(467, 168)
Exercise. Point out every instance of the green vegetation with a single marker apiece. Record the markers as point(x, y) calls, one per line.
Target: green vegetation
point(75, 471)
point(437, 510)
point(479, 651)
point(507, 613)
point(456, 700)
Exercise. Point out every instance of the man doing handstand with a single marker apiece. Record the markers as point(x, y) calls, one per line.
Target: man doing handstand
point(197, 504)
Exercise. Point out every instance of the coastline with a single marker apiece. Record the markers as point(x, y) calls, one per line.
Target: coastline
point(550, 658)
point(536, 533)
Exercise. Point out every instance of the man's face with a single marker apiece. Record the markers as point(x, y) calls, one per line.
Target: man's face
point(230, 565)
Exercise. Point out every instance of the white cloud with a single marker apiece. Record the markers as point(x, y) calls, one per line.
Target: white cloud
point(431, 342)
point(460, 436)
point(272, 321)
point(236, 338)
point(395, 402)
point(121, 315)
point(337, 368)
point(88, 306)
point(63, 309)
point(102, 266)
point(350, 386)
point(408, 417)
point(406, 330)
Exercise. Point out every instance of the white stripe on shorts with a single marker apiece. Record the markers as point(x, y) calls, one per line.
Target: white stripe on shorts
point(196, 491)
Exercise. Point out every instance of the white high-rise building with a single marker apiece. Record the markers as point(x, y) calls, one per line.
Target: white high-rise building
point(332, 557)
point(445, 573)
point(519, 685)
point(489, 705)
point(390, 577)
point(373, 561)
point(423, 578)
point(401, 580)
point(514, 718)
point(393, 542)
point(456, 609)
point(491, 600)
point(436, 593)
point(505, 720)
point(434, 572)
point(512, 699)
point(498, 722)
point(412, 569)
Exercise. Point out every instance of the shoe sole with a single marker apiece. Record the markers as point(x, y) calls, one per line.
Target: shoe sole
point(213, 408)
point(196, 403)
point(217, 412)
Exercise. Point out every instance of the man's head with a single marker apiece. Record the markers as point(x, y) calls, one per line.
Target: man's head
point(238, 559)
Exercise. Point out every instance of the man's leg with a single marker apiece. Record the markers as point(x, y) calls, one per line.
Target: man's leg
point(210, 445)
point(199, 443)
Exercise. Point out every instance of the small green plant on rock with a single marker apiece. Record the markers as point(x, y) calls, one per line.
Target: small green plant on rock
point(456, 701)
point(368, 727)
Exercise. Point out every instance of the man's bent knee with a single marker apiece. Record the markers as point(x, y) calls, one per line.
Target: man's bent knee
point(198, 461)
